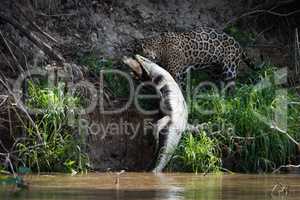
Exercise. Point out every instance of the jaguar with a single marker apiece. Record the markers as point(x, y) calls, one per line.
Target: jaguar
point(179, 52)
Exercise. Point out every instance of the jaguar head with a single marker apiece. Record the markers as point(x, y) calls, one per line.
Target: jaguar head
point(150, 50)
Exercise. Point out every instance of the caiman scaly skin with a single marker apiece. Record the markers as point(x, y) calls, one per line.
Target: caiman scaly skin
point(174, 106)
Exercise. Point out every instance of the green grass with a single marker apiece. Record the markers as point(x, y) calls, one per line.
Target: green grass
point(197, 153)
point(116, 83)
point(95, 64)
point(241, 134)
point(53, 145)
point(243, 37)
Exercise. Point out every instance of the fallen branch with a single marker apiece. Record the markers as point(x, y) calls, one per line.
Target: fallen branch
point(11, 54)
point(242, 138)
point(22, 108)
point(34, 25)
point(32, 37)
point(285, 166)
point(286, 133)
point(57, 15)
point(3, 99)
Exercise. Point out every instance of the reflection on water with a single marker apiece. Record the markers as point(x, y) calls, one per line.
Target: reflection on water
point(136, 186)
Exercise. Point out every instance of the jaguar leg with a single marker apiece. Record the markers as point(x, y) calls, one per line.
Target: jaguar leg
point(180, 78)
point(183, 76)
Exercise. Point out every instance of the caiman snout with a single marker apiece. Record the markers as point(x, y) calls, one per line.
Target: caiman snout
point(145, 63)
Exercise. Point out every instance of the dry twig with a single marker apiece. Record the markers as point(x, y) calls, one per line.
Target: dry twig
point(34, 25)
point(32, 37)
point(16, 63)
point(21, 107)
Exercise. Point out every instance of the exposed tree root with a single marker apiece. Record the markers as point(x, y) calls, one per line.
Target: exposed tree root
point(46, 48)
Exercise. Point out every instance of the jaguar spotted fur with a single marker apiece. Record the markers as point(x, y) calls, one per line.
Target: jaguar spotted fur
point(179, 51)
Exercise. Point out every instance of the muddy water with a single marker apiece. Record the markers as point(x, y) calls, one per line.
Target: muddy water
point(149, 186)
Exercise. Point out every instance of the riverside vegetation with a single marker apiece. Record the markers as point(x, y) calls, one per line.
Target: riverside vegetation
point(231, 133)
point(231, 130)
point(234, 130)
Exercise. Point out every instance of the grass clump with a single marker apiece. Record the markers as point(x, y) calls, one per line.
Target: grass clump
point(243, 37)
point(115, 82)
point(198, 153)
point(53, 144)
point(95, 64)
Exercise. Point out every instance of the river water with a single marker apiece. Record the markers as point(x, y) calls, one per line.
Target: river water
point(173, 186)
